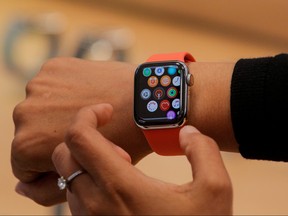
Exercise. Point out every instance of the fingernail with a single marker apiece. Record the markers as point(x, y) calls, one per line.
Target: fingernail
point(189, 129)
point(184, 135)
point(19, 190)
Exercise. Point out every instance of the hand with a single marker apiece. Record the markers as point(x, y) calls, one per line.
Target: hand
point(111, 185)
point(54, 96)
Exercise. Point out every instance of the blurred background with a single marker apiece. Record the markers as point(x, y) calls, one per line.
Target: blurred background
point(32, 31)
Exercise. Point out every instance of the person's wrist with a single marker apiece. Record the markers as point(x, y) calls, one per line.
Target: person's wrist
point(209, 102)
point(130, 137)
point(141, 148)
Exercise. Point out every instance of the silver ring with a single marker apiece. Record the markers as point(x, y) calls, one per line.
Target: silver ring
point(64, 183)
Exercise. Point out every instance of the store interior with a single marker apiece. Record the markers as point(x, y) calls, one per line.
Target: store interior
point(31, 32)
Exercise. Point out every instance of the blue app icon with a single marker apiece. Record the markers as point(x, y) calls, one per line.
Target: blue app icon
point(172, 70)
point(159, 71)
point(145, 94)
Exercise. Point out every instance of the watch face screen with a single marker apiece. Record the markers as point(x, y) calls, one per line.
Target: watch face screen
point(159, 94)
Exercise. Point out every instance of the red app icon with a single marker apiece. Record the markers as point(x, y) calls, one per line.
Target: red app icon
point(164, 105)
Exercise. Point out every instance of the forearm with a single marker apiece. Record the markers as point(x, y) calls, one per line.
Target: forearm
point(70, 84)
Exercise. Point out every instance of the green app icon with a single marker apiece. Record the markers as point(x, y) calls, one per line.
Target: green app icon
point(172, 92)
point(147, 72)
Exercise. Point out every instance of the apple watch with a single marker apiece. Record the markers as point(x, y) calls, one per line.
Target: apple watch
point(161, 100)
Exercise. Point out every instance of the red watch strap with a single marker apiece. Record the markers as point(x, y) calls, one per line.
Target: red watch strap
point(180, 56)
point(166, 141)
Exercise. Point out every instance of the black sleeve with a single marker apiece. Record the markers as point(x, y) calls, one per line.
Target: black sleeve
point(259, 107)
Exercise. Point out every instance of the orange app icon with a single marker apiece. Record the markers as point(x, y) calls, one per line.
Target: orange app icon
point(152, 81)
point(165, 80)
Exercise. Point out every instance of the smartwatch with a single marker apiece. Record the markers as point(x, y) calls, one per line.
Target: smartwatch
point(161, 100)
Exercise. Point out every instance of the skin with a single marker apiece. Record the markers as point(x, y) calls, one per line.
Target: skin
point(108, 186)
point(64, 85)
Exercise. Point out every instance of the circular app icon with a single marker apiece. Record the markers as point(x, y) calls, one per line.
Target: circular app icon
point(147, 72)
point(159, 71)
point(172, 92)
point(152, 106)
point(145, 94)
point(152, 81)
point(165, 80)
point(164, 105)
point(171, 114)
point(158, 93)
point(172, 70)
point(176, 103)
point(176, 81)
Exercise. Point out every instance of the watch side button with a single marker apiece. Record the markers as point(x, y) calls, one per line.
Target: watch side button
point(190, 80)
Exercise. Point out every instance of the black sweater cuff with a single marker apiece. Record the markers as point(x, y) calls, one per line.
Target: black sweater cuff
point(259, 107)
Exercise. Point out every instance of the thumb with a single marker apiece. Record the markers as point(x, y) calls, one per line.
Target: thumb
point(203, 154)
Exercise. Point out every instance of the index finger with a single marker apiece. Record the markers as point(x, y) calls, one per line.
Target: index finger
point(89, 147)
